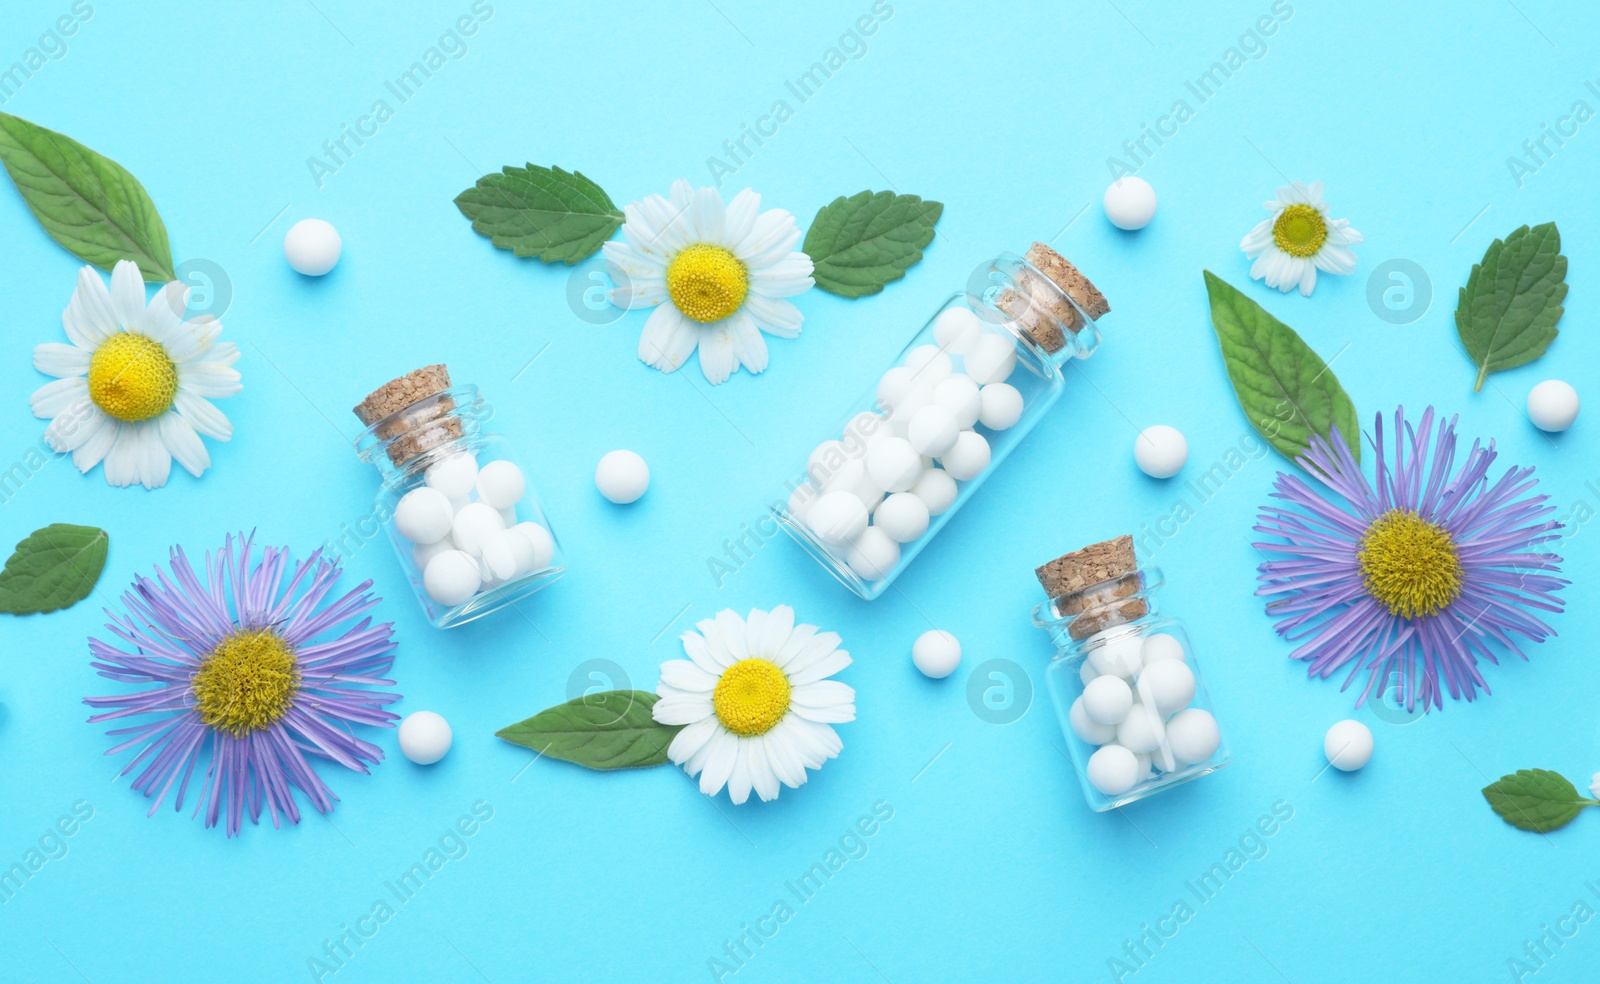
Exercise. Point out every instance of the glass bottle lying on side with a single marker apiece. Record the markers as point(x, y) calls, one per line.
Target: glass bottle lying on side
point(967, 387)
point(456, 505)
point(1125, 680)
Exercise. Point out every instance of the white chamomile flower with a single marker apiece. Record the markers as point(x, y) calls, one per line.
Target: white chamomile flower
point(132, 388)
point(1298, 239)
point(756, 701)
point(716, 275)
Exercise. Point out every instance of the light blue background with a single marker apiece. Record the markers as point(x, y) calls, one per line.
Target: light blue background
point(991, 868)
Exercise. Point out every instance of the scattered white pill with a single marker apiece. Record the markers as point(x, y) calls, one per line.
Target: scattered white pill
point(1108, 699)
point(1348, 745)
point(1160, 451)
point(928, 365)
point(544, 545)
point(1141, 730)
point(1118, 655)
point(957, 330)
point(1130, 202)
point(1113, 770)
point(622, 477)
point(451, 578)
point(474, 524)
point(312, 247)
point(873, 554)
point(894, 464)
point(1553, 405)
point(837, 517)
point(425, 737)
point(936, 653)
point(1000, 406)
point(454, 475)
point(1193, 736)
point(968, 457)
point(992, 359)
point(423, 515)
point(1087, 728)
point(904, 516)
point(1167, 684)
point(933, 430)
point(1158, 647)
point(959, 395)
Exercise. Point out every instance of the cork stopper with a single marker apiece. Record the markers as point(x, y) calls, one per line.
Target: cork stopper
point(410, 415)
point(1088, 584)
point(1040, 309)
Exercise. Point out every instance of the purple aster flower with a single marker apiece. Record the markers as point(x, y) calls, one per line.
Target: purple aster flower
point(249, 672)
point(1416, 579)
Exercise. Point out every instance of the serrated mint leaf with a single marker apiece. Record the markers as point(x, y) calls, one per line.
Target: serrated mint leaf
point(609, 730)
point(1286, 390)
point(86, 202)
point(1536, 799)
point(1506, 314)
point(55, 567)
point(860, 243)
point(541, 211)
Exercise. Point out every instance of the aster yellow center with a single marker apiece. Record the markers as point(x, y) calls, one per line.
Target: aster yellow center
point(706, 282)
point(247, 682)
point(1409, 564)
point(1300, 230)
point(132, 378)
point(751, 698)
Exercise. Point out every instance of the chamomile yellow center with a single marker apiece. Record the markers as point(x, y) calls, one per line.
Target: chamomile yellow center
point(1409, 564)
point(132, 378)
point(706, 282)
point(1300, 230)
point(247, 682)
point(751, 698)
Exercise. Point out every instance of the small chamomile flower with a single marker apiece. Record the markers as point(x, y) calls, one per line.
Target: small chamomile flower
point(1298, 239)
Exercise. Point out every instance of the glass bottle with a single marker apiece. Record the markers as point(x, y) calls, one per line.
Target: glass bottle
point(1114, 629)
point(980, 372)
point(455, 502)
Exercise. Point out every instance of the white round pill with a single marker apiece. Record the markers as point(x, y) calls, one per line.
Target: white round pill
point(1141, 730)
point(800, 500)
point(968, 457)
point(936, 489)
point(1087, 672)
point(894, 464)
point(928, 365)
point(1087, 728)
point(1118, 656)
point(423, 515)
point(933, 430)
point(1130, 202)
point(622, 476)
point(454, 475)
point(1160, 646)
point(501, 552)
point(421, 553)
point(1001, 406)
point(474, 524)
point(312, 247)
point(903, 516)
point(451, 578)
point(1348, 745)
point(544, 545)
point(918, 396)
point(1113, 770)
point(837, 517)
point(1553, 405)
point(501, 484)
point(824, 461)
point(936, 653)
point(424, 737)
point(1160, 451)
point(959, 395)
point(1193, 736)
point(1168, 684)
point(873, 554)
point(992, 358)
point(894, 386)
point(1108, 699)
point(957, 330)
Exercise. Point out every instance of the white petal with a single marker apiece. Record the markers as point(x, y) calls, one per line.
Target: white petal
point(774, 233)
point(203, 377)
point(774, 316)
point(762, 774)
point(202, 416)
point(1335, 259)
point(774, 633)
point(189, 340)
point(716, 648)
point(122, 462)
point(721, 753)
point(127, 295)
point(821, 669)
point(103, 434)
point(56, 396)
point(1308, 279)
point(740, 779)
point(785, 760)
point(799, 636)
point(184, 444)
point(164, 313)
point(785, 276)
point(816, 648)
point(677, 708)
point(718, 354)
point(684, 675)
point(690, 740)
point(732, 631)
point(59, 359)
point(825, 694)
point(694, 645)
point(73, 427)
point(748, 344)
point(89, 318)
point(668, 339)
point(741, 216)
point(755, 624)
point(155, 461)
point(826, 715)
point(708, 215)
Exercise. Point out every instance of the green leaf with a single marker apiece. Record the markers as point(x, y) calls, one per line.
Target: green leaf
point(1285, 388)
point(1506, 314)
point(1535, 799)
point(544, 212)
point(609, 730)
point(55, 567)
point(88, 203)
point(860, 243)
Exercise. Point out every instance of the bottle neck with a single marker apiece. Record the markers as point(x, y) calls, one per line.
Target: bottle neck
point(1073, 619)
point(409, 439)
point(1012, 293)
